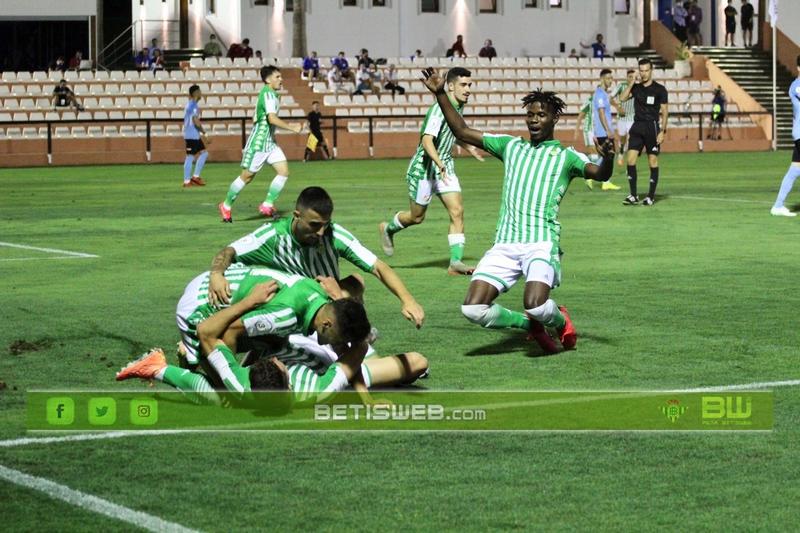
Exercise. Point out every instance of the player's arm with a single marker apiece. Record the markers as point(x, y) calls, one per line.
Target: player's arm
point(435, 84)
point(219, 290)
point(579, 126)
point(410, 308)
point(430, 151)
point(199, 126)
point(350, 360)
point(626, 94)
point(212, 330)
point(605, 169)
point(664, 116)
point(603, 120)
point(472, 150)
point(275, 120)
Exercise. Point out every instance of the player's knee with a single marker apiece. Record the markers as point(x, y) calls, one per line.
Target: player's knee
point(477, 313)
point(417, 364)
point(543, 313)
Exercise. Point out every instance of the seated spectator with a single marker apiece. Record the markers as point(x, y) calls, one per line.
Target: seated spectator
point(241, 50)
point(376, 78)
point(75, 61)
point(598, 47)
point(393, 81)
point(64, 97)
point(458, 47)
point(334, 79)
point(574, 54)
point(153, 49)
point(259, 57)
point(364, 81)
point(417, 55)
point(311, 67)
point(364, 59)
point(142, 60)
point(488, 50)
point(157, 62)
point(212, 47)
point(344, 67)
point(59, 65)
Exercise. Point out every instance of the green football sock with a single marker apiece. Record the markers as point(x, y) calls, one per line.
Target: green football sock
point(394, 225)
point(557, 320)
point(233, 191)
point(185, 380)
point(275, 189)
point(501, 318)
point(456, 241)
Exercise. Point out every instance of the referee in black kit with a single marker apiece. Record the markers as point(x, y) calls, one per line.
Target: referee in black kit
point(649, 106)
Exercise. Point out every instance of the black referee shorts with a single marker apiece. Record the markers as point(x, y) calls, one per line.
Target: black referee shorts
point(194, 146)
point(643, 136)
point(796, 153)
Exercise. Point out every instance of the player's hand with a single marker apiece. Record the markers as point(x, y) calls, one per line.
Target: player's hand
point(206, 139)
point(443, 174)
point(474, 151)
point(607, 149)
point(297, 128)
point(262, 293)
point(432, 80)
point(660, 137)
point(219, 290)
point(620, 112)
point(414, 312)
point(331, 287)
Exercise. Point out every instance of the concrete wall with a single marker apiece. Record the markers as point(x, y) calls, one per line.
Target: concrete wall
point(43, 9)
point(789, 19)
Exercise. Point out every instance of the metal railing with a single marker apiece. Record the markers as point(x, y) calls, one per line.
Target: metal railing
point(122, 49)
point(336, 125)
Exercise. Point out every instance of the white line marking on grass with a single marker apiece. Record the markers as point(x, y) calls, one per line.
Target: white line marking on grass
point(48, 250)
point(46, 258)
point(747, 386)
point(89, 502)
point(713, 199)
point(85, 436)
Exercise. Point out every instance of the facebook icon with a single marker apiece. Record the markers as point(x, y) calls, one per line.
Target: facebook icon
point(60, 411)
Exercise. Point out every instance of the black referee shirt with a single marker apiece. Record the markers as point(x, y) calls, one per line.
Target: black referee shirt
point(647, 101)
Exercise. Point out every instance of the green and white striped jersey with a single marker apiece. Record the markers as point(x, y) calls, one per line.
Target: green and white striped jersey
point(535, 180)
point(421, 166)
point(627, 105)
point(262, 138)
point(273, 245)
point(586, 109)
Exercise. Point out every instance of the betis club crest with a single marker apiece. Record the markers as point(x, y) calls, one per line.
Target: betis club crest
point(673, 410)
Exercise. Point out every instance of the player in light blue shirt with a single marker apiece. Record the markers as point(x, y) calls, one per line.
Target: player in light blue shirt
point(601, 117)
point(794, 170)
point(194, 135)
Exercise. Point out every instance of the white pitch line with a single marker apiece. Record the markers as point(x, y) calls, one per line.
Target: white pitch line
point(713, 199)
point(746, 386)
point(86, 436)
point(89, 502)
point(47, 258)
point(49, 250)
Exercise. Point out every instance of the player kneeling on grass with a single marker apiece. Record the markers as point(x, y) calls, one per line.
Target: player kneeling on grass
point(537, 174)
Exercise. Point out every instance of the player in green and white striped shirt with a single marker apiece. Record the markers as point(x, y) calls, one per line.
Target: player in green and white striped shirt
point(537, 174)
point(308, 244)
point(262, 148)
point(432, 171)
point(625, 115)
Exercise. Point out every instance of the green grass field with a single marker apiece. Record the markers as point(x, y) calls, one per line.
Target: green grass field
point(699, 290)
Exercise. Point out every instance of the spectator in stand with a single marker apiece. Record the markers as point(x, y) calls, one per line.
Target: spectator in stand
point(241, 50)
point(153, 49)
point(344, 67)
point(598, 47)
point(393, 81)
point(259, 57)
point(747, 23)
point(142, 60)
point(157, 61)
point(364, 80)
point(334, 79)
point(212, 47)
point(730, 23)
point(458, 47)
point(364, 59)
point(376, 78)
point(574, 54)
point(75, 61)
point(311, 67)
point(315, 138)
point(417, 55)
point(679, 14)
point(59, 65)
point(693, 24)
point(488, 50)
point(64, 97)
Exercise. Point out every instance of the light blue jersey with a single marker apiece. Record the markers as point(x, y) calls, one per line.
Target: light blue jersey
point(190, 111)
point(601, 104)
point(794, 94)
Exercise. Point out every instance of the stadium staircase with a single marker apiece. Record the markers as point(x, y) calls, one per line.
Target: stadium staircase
point(752, 70)
point(641, 53)
point(173, 58)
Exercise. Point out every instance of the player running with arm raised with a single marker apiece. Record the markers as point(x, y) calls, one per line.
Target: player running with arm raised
point(537, 174)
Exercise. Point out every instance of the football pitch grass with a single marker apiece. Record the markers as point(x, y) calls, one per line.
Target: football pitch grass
point(698, 291)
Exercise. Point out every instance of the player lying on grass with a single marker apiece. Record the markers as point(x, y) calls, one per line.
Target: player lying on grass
point(537, 174)
point(321, 372)
point(309, 244)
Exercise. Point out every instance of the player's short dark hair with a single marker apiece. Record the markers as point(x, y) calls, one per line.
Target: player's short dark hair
point(457, 72)
point(245, 41)
point(266, 375)
point(605, 71)
point(315, 102)
point(645, 61)
point(546, 98)
point(192, 89)
point(62, 81)
point(631, 71)
point(351, 320)
point(267, 71)
point(315, 198)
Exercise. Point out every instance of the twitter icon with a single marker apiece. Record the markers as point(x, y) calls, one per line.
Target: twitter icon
point(102, 411)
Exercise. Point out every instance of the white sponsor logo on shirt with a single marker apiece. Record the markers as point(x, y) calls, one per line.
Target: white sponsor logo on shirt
point(651, 100)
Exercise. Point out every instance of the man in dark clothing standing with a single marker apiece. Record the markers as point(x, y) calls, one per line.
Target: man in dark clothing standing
point(315, 138)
